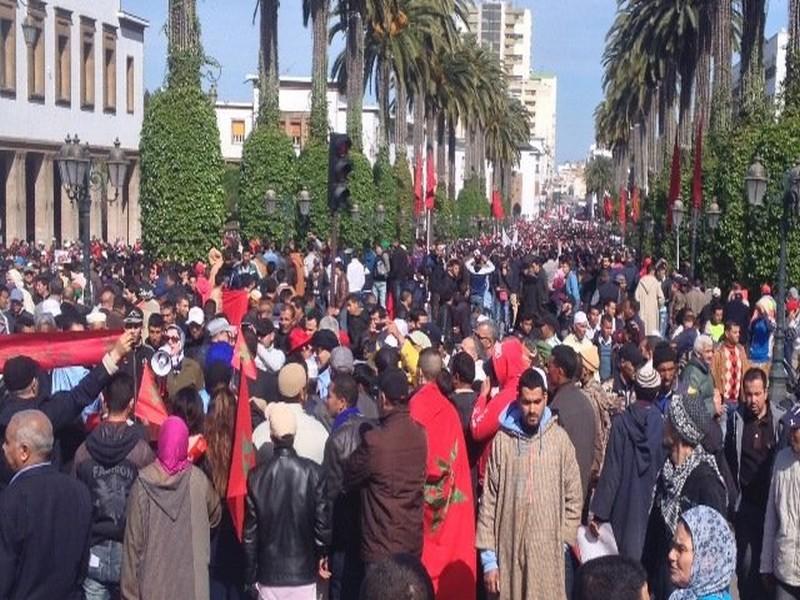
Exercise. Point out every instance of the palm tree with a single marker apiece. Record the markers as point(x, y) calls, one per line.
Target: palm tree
point(317, 12)
point(722, 100)
point(507, 128)
point(268, 74)
point(751, 89)
point(792, 82)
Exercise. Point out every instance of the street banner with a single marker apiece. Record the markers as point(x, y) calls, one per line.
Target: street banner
point(59, 349)
point(674, 181)
point(419, 202)
point(623, 210)
point(635, 204)
point(430, 181)
point(697, 174)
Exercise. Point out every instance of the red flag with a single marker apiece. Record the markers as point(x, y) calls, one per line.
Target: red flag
point(697, 175)
point(242, 359)
point(623, 209)
point(430, 183)
point(608, 208)
point(674, 181)
point(59, 348)
point(418, 199)
point(497, 206)
point(149, 404)
point(243, 455)
point(235, 304)
point(635, 208)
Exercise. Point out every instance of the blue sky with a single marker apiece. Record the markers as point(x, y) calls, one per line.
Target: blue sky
point(568, 38)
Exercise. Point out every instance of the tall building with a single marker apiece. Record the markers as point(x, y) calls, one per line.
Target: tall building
point(67, 67)
point(774, 52)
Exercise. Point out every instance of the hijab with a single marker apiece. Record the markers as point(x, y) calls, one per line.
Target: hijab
point(173, 446)
point(714, 554)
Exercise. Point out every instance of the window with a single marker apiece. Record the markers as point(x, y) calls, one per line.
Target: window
point(8, 44)
point(130, 85)
point(295, 132)
point(36, 57)
point(63, 58)
point(109, 69)
point(87, 63)
point(237, 131)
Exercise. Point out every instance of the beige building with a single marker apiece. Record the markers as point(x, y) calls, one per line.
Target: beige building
point(67, 67)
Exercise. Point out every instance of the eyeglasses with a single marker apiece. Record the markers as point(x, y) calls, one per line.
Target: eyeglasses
point(173, 339)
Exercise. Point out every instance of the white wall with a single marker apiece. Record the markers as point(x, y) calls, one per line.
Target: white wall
point(227, 112)
point(48, 122)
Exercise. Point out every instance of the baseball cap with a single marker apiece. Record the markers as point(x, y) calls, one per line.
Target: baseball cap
point(219, 325)
point(134, 317)
point(291, 380)
point(420, 339)
point(590, 358)
point(196, 316)
point(342, 360)
point(298, 338)
point(281, 420)
point(16, 295)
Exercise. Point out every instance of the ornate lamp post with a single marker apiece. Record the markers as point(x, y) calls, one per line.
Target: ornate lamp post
point(380, 214)
point(270, 201)
point(79, 177)
point(756, 187)
point(677, 218)
point(30, 31)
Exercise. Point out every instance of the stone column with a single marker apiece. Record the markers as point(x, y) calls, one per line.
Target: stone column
point(15, 198)
point(69, 218)
point(43, 194)
point(133, 223)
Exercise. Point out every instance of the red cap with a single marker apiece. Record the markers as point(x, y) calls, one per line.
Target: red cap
point(792, 304)
point(766, 290)
point(298, 338)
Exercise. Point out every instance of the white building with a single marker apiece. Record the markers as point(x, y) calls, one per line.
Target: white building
point(774, 51)
point(236, 120)
point(80, 72)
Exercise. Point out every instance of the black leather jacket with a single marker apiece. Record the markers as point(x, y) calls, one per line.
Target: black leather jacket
point(344, 505)
point(287, 521)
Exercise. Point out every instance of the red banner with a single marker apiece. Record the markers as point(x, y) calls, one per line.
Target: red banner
point(234, 305)
point(149, 404)
point(419, 201)
point(697, 174)
point(635, 205)
point(244, 456)
point(623, 210)
point(608, 207)
point(430, 181)
point(497, 206)
point(674, 181)
point(58, 349)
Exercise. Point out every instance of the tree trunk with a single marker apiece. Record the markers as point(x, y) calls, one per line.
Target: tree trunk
point(269, 109)
point(685, 110)
point(441, 149)
point(751, 89)
point(354, 47)
point(319, 71)
point(384, 80)
point(182, 31)
point(451, 159)
point(653, 163)
point(703, 82)
point(792, 82)
point(722, 103)
point(400, 122)
point(418, 134)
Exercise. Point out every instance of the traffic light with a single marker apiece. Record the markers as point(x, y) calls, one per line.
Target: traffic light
point(339, 168)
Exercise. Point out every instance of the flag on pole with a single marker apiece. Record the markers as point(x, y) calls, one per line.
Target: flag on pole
point(149, 403)
point(697, 175)
point(674, 181)
point(623, 209)
point(418, 199)
point(234, 305)
point(635, 204)
point(430, 180)
point(608, 209)
point(59, 348)
point(497, 206)
point(243, 454)
point(505, 238)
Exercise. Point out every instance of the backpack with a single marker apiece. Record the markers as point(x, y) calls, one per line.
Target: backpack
point(380, 267)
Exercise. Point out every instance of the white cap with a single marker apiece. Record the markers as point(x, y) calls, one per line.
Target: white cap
point(196, 316)
point(96, 316)
point(580, 318)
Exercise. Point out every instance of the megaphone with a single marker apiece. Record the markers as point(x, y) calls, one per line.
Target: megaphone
point(161, 363)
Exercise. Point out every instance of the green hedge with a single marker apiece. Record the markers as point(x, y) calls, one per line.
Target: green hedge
point(182, 196)
point(386, 194)
point(312, 172)
point(268, 162)
point(405, 201)
point(364, 227)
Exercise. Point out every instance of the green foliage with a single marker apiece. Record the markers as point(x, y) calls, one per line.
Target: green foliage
point(230, 183)
point(386, 194)
point(445, 220)
point(405, 200)
point(363, 227)
point(268, 162)
point(471, 202)
point(312, 171)
point(182, 197)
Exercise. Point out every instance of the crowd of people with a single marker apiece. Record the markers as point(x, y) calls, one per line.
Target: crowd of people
point(462, 421)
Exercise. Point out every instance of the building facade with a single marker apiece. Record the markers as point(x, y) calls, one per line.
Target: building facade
point(76, 67)
point(774, 52)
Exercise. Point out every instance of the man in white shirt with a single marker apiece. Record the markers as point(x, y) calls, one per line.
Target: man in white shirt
point(356, 276)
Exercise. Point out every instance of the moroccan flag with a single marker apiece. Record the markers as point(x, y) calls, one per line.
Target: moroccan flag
point(419, 201)
point(623, 210)
point(243, 456)
point(674, 181)
point(149, 403)
point(448, 551)
point(430, 181)
point(497, 206)
point(59, 348)
point(635, 204)
point(608, 209)
point(235, 304)
point(697, 174)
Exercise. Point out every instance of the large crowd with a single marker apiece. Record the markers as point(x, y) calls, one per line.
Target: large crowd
point(540, 415)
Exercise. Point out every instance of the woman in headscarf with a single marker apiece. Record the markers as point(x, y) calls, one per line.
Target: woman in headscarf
point(703, 556)
point(171, 509)
point(762, 328)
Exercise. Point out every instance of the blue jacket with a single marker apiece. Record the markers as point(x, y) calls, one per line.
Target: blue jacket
point(760, 332)
point(573, 289)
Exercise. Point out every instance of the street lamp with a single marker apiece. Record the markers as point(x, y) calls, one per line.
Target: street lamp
point(213, 94)
point(713, 214)
point(78, 176)
point(677, 218)
point(30, 31)
point(270, 202)
point(756, 186)
point(304, 202)
point(355, 211)
point(380, 214)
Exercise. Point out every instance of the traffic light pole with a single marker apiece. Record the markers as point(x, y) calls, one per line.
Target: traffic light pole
point(334, 250)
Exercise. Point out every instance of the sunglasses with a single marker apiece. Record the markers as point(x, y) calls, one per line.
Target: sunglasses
point(173, 339)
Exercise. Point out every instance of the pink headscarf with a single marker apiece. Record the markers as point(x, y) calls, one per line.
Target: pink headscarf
point(173, 445)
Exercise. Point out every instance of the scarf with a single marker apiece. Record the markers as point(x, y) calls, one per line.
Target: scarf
point(714, 555)
point(672, 480)
point(173, 446)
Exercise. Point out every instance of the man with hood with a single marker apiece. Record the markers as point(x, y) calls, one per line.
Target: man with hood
point(508, 363)
point(634, 457)
point(449, 516)
point(532, 499)
point(108, 462)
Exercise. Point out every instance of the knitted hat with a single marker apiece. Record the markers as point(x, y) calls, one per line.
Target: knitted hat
point(281, 420)
point(342, 360)
point(291, 380)
point(663, 353)
point(689, 418)
point(19, 372)
point(647, 377)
